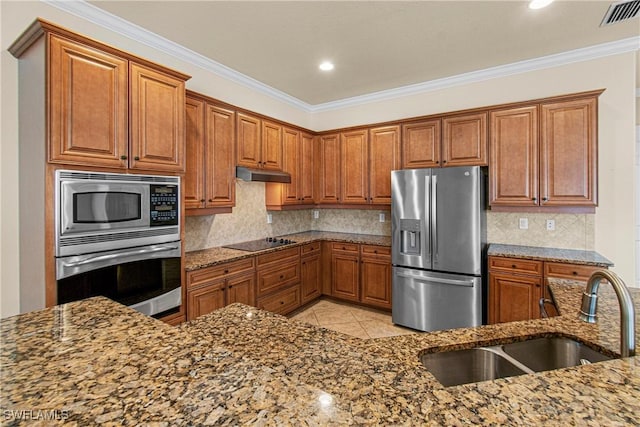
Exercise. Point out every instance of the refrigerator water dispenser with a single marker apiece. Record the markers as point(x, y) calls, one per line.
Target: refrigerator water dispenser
point(410, 236)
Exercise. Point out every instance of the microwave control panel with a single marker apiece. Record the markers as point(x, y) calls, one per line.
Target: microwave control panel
point(164, 205)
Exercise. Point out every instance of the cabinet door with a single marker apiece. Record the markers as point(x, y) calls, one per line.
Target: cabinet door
point(329, 170)
point(157, 111)
point(421, 144)
point(568, 150)
point(249, 147)
point(88, 106)
point(205, 299)
point(355, 167)
point(513, 166)
point(513, 297)
point(384, 156)
point(241, 289)
point(464, 141)
point(306, 171)
point(220, 157)
point(271, 146)
point(194, 177)
point(376, 281)
point(291, 164)
point(345, 278)
point(311, 285)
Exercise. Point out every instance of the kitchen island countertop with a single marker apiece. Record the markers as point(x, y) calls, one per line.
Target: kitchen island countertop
point(104, 363)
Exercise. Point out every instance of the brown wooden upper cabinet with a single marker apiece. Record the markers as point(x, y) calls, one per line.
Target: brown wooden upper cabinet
point(328, 169)
point(459, 140)
point(464, 140)
point(361, 172)
point(421, 144)
point(93, 90)
point(545, 154)
point(298, 160)
point(209, 181)
point(259, 143)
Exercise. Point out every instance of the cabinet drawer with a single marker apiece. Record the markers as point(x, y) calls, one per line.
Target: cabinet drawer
point(370, 250)
point(281, 302)
point(281, 276)
point(349, 247)
point(516, 265)
point(310, 248)
point(278, 256)
point(569, 271)
point(203, 275)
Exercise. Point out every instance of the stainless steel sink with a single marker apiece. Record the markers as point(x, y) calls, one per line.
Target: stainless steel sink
point(545, 354)
point(468, 366)
point(525, 357)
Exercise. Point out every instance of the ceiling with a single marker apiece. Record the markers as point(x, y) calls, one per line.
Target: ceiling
point(375, 46)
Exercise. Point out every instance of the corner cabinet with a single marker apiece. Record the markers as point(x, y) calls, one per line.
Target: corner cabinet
point(545, 154)
point(108, 109)
point(209, 182)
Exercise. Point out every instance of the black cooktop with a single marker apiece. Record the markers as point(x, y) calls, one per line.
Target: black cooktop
point(260, 245)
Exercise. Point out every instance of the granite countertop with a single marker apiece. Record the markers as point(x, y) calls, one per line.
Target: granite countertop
point(95, 361)
point(212, 256)
point(549, 254)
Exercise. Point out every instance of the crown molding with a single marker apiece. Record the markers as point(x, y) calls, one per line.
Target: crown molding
point(125, 28)
point(130, 30)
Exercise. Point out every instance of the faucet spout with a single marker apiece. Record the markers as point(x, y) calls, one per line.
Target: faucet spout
point(627, 314)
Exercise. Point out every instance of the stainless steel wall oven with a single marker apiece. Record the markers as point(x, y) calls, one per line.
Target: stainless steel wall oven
point(118, 235)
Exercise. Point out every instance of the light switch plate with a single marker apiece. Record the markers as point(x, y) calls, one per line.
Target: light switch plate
point(524, 223)
point(382, 217)
point(316, 214)
point(269, 218)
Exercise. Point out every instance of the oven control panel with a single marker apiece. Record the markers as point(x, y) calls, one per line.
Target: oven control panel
point(163, 205)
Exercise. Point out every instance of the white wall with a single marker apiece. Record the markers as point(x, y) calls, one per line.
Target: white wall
point(614, 220)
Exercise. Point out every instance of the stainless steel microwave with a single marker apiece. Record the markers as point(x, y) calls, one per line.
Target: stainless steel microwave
point(98, 211)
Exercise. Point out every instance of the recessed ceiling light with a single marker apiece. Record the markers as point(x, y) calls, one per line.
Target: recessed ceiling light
point(539, 4)
point(326, 66)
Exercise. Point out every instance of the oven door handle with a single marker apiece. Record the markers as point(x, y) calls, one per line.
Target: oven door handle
point(120, 254)
point(76, 264)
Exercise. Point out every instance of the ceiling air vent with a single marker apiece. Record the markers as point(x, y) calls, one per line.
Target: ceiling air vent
point(621, 11)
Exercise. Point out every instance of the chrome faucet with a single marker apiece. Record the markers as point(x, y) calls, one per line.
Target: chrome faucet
point(627, 313)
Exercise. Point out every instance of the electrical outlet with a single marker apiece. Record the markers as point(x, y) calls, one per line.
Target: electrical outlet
point(269, 218)
point(524, 223)
point(316, 214)
point(551, 224)
point(382, 217)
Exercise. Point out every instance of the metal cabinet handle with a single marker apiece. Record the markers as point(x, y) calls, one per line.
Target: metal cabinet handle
point(123, 157)
point(136, 158)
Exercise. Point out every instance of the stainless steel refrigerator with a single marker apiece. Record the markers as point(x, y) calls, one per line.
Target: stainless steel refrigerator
point(438, 225)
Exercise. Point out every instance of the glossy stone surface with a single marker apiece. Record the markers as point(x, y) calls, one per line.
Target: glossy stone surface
point(105, 363)
point(549, 254)
point(212, 256)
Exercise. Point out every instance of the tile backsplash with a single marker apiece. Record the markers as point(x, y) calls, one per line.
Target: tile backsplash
point(572, 231)
point(249, 222)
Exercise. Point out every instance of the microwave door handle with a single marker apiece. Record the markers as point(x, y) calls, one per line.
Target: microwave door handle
point(119, 254)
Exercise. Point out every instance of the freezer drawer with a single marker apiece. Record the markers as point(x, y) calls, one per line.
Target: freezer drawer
point(429, 301)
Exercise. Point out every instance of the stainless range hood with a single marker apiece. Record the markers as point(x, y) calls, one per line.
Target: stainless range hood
point(262, 175)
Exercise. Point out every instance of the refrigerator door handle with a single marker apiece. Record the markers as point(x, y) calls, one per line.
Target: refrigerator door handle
point(434, 216)
point(421, 278)
point(427, 200)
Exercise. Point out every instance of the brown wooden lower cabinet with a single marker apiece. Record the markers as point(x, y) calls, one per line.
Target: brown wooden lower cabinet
point(310, 273)
point(278, 280)
point(375, 276)
point(361, 273)
point(211, 288)
point(345, 271)
point(281, 302)
point(516, 286)
point(514, 297)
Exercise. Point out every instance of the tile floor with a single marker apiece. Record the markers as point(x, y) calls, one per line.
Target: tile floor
point(350, 319)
